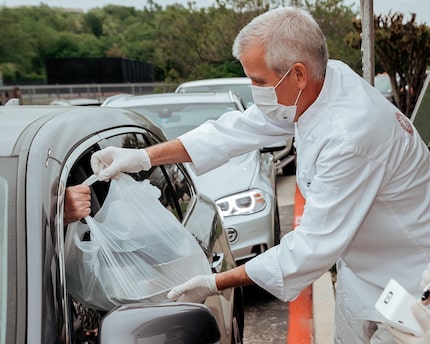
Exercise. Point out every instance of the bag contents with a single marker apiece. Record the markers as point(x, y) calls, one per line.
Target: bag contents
point(137, 250)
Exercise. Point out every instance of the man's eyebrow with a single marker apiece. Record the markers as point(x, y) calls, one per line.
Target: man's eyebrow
point(258, 80)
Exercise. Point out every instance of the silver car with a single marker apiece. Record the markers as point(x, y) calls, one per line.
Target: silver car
point(42, 151)
point(383, 85)
point(244, 188)
point(284, 154)
point(240, 85)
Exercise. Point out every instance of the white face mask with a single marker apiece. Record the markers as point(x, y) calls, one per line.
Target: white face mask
point(266, 100)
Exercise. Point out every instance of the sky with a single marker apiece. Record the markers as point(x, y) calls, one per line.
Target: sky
point(420, 7)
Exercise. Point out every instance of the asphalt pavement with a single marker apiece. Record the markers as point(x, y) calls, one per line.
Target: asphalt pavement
point(266, 317)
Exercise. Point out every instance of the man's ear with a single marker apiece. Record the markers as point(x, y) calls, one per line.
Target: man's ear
point(301, 74)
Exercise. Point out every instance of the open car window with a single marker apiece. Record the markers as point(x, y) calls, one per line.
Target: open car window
point(176, 191)
point(176, 195)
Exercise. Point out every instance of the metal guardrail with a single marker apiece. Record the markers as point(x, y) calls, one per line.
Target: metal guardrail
point(44, 94)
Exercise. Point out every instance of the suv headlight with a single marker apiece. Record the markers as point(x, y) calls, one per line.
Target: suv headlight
point(243, 203)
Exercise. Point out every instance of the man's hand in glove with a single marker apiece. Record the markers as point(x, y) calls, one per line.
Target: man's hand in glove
point(109, 162)
point(197, 289)
point(423, 317)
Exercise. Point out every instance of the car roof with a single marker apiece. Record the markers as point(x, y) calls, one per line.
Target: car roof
point(76, 101)
point(171, 98)
point(217, 81)
point(21, 123)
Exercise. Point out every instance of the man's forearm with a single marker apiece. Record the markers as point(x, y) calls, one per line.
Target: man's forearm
point(168, 153)
point(233, 278)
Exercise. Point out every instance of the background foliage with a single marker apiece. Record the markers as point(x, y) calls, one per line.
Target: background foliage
point(402, 49)
point(181, 42)
point(186, 42)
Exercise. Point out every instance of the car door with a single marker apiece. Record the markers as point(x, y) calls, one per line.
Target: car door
point(45, 149)
point(197, 213)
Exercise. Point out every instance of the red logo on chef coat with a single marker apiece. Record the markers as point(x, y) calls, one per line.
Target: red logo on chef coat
point(404, 123)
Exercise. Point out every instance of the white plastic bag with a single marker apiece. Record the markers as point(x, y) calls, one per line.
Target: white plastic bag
point(138, 250)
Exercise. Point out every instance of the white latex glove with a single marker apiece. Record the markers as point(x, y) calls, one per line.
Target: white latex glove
point(197, 289)
point(109, 162)
point(423, 317)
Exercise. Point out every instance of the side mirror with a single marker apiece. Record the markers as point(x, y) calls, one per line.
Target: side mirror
point(162, 323)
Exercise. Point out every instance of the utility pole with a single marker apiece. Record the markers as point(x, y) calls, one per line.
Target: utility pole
point(368, 40)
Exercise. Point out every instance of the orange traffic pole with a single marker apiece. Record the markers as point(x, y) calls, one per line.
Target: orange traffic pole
point(300, 310)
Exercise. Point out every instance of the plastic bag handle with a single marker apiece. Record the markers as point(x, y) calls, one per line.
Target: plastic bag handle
point(91, 180)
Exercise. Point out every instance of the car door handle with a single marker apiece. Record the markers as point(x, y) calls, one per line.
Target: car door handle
point(217, 260)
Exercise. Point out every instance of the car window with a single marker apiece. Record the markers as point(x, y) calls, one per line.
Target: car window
point(177, 119)
point(176, 195)
point(3, 255)
point(175, 189)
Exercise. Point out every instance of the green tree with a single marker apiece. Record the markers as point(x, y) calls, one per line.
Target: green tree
point(16, 48)
point(336, 22)
point(94, 22)
point(182, 42)
point(195, 43)
point(402, 48)
point(28, 36)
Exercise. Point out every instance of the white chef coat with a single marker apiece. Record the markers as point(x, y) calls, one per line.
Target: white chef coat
point(365, 175)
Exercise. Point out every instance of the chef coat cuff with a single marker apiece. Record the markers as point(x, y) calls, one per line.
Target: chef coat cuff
point(264, 271)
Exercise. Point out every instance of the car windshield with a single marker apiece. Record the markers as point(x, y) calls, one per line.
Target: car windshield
point(3, 255)
point(177, 119)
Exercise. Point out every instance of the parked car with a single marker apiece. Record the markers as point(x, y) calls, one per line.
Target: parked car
point(383, 85)
point(43, 150)
point(240, 85)
point(244, 188)
point(284, 155)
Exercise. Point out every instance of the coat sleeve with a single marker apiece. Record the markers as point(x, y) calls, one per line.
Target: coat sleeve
point(330, 220)
point(215, 142)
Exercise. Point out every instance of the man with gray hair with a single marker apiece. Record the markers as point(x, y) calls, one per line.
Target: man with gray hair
point(361, 166)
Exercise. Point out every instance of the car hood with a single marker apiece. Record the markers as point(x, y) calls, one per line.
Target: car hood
point(235, 176)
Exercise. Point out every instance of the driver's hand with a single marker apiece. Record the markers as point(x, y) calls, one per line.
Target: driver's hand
point(77, 203)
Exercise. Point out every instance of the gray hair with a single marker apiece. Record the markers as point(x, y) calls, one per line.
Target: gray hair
point(288, 35)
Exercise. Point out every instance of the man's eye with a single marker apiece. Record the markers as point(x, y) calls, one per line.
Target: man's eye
point(259, 83)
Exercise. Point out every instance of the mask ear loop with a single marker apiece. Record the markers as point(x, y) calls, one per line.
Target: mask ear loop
point(298, 96)
point(282, 79)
